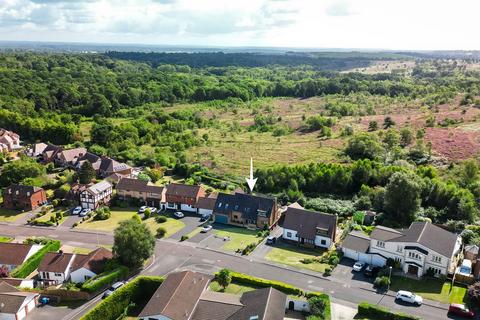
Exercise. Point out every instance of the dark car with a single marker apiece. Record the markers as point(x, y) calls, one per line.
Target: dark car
point(371, 271)
point(460, 310)
point(271, 240)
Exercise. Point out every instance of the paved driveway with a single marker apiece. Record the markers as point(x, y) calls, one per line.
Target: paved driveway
point(70, 221)
point(191, 222)
point(48, 312)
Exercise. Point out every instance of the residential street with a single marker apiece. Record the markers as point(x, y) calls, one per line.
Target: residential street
point(173, 255)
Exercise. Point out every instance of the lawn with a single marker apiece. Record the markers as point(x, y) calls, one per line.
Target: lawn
point(5, 239)
point(232, 288)
point(431, 289)
point(194, 232)
point(239, 237)
point(7, 215)
point(47, 216)
point(118, 215)
point(171, 225)
point(292, 255)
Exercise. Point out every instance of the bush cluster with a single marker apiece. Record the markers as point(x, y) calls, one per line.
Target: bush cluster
point(369, 311)
point(105, 279)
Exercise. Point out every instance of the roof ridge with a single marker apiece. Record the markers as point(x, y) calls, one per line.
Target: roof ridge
point(421, 233)
point(268, 299)
point(176, 289)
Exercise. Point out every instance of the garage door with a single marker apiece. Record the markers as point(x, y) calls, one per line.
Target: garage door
point(221, 219)
point(378, 260)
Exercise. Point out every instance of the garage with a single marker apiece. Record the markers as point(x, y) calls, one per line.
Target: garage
point(356, 245)
point(220, 218)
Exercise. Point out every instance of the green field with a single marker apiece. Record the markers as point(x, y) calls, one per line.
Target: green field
point(5, 239)
point(239, 237)
point(292, 255)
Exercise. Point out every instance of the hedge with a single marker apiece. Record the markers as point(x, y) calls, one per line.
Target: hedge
point(326, 298)
point(371, 311)
point(105, 279)
point(138, 291)
point(246, 279)
point(33, 262)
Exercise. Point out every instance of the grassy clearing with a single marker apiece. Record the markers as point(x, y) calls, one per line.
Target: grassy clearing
point(118, 215)
point(232, 288)
point(5, 239)
point(431, 289)
point(7, 215)
point(292, 255)
point(239, 237)
point(171, 225)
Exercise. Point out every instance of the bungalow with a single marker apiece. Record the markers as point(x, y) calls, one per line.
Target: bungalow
point(309, 228)
point(23, 197)
point(87, 266)
point(141, 190)
point(13, 255)
point(247, 210)
point(96, 195)
point(421, 248)
point(183, 197)
point(15, 304)
point(185, 296)
point(9, 141)
point(55, 268)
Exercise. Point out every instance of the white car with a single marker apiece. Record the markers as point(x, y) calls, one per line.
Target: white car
point(179, 214)
point(206, 228)
point(84, 212)
point(76, 210)
point(409, 297)
point(142, 209)
point(110, 290)
point(358, 266)
point(152, 209)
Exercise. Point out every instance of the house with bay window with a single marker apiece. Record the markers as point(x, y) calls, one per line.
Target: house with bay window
point(418, 249)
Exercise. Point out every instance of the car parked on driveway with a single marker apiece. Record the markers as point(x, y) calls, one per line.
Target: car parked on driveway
point(152, 210)
point(371, 271)
point(110, 290)
point(84, 212)
point(409, 297)
point(179, 214)
point(205, 217)
point(76, 210)
point(460, 310)
point(206, 228)
point(271, 240)
point(142, 209)
point(358, 266)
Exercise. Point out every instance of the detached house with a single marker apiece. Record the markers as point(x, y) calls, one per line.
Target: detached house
point(23, 197)
point(421, 247)
point(138, 189)
point(310, 228)
point(96, 195)
point(68, 158)
point(49, 153)
point(109, 166)
point(86, 266)
point(16, 304)
point(9, 141)
point(183, 197)
point(55, 268)
point(13, 255)
point(185, 296)
point(254, 211)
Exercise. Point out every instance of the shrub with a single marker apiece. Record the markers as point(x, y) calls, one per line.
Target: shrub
point(258, 282)
point(328, 272)
point(161, 232)
point(381, 282)
point(184, 237)
point(147, 214)
point(326, 314)
point(369, 311)
point(160, 219)
point(105, 279)
point(33, 262)
point(103, 214)
point(137, 291)
point(249, 248)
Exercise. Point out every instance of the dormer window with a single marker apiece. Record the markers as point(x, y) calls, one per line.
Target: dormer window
point(380, 244)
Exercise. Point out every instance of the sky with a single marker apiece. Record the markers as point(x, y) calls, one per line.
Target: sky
point(360, 24)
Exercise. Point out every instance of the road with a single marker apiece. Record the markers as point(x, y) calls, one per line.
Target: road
point(172, 255)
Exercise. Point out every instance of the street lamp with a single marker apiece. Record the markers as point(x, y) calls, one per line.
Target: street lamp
point(389, 278)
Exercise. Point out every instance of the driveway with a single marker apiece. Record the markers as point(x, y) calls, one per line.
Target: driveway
point(49, 312)
point(70, 221)
point(191, 221)
point(344, 273)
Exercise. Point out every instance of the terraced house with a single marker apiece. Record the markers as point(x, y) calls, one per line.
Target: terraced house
point(183, 197)
point(421, 247)
point(246, 210)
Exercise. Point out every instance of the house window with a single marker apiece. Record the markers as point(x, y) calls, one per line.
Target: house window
point(399, 248)
point(380, 244)
point(58, 274)
point(289, 234)
point(323, 242)
point(437, 259)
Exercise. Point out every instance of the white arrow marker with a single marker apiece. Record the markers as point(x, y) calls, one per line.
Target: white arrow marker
point(251, 182)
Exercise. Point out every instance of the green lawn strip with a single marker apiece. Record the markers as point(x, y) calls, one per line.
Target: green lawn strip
point(431, 289)
point(5, 239)
point(7, 215)
point(292, 255)
point(171, 225)
point(118, 215)
point(194, 232)
point(239, 237)
point(47, 216)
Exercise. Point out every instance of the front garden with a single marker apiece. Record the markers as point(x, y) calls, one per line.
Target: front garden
point(238, 238)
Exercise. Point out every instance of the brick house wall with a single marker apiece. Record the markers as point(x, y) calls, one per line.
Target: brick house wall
point(22, 201)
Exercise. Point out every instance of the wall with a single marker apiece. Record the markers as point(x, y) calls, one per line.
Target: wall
point(298, 305)
point(186, 207)
point(78, 276)
point(204, 211)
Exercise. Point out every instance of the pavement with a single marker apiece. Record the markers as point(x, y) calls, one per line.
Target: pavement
point(173, 255)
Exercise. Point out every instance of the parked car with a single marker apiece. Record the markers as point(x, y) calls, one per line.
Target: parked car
point(371, 271)
point(409, 297)
point(110, 290)
point(142, 209)
point(271, 240)
point(152, 210)
point(179, 214)
point(84, 212)
point(461, 310)
point(205, 217)
point(358, 266)
point(206, 228)
point(76, 210)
